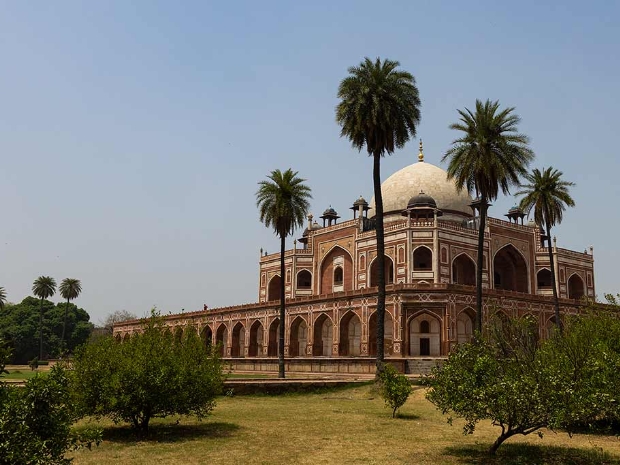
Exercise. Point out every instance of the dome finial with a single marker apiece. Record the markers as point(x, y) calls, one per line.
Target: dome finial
point(421, 154)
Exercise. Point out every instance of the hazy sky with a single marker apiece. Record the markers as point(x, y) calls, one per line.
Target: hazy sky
point(133, 134)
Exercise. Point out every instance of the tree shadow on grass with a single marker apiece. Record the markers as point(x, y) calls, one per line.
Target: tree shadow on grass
point(170, 432)
point(513, 454)
point(407, 416)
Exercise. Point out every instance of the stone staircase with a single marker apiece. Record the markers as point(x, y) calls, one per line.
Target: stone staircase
point(422, 365)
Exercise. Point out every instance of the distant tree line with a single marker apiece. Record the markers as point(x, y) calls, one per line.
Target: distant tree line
point(19, 328)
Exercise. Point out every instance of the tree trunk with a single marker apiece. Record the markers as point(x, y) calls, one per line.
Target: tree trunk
point(282, 302)
point(64, 325)
point(498, 442)
point(41, 331)
point(556, 302)
point(480, 266)
point(376, 177)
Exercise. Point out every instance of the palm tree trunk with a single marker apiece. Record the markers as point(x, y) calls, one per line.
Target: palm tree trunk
point(41, 331)
point(480, 265)
point(282, 301)
point(64, 325)
point(556, 302)
point(376, 177)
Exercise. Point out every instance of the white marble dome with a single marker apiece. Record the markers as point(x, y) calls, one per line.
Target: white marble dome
point(430, 179)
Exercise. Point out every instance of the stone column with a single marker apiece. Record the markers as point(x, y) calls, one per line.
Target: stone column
point(436, 268)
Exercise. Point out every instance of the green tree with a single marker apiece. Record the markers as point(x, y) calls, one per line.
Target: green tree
point(547, 194)
point(5, 356)
point(150, 375)
point(43, 287)
point(379, 109)
point(395, 388)
point(2, 298)
point(283, 204)
point(69, 289)
point(489, 156)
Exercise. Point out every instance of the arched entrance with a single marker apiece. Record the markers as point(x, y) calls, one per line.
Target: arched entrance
point(304, 280)
point(510, 270)
point(465, 326)
point(336, 272)
point(422, 259)
point(464, 270)
point(388, 334)
point(299, 338)
point(238, 341)
point(350, 335)
point(374, 272)
point(575, 287)
point(425, 336)
point(256, 340)
point(274, 332)
point(323, 336)
point(221, 339)
point(543, 279)
point(273, 290)
point(207, 336)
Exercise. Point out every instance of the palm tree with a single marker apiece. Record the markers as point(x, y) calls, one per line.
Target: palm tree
point(379, 109)
point(69, 289)
point(489, 156)
point(547, 194)
point(283, 205)
point(43, 287)
point(2, 298)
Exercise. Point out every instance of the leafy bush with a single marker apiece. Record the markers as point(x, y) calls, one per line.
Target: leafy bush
point(35, 421)
point(395, 388)
point(150, 375)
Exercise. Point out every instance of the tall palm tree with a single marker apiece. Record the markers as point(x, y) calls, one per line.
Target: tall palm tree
point(379, 109)
point(43, 287)
point(547, 194)
point(69, 289)
point(488, 156)
point(2, 298)
point(283, 204)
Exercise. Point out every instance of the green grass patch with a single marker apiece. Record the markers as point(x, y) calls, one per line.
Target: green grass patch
point(21, 375)
point(341, 426)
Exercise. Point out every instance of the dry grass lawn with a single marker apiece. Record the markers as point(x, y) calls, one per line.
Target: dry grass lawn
point(342, 427)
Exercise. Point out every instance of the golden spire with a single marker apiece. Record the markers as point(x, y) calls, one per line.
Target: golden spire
point(421, 154)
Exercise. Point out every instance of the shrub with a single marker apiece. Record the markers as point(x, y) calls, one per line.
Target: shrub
point(150, 375)
point(394, 387)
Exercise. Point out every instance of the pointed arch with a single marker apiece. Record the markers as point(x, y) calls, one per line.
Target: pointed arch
point(274, 332)
point(422, 258)
point(337, 257)
point(273, 290)
point(543, 279)
point(304, 280)
point(373, 276)
point(221, 338)
point(388, 334)
point(323, 336)
point(510, 270)
point(298, 337)
point(575, 286)
point(424, 334)
point(178, 334)
point(350, 335)
point(238, 340)
point(207, 336)
point(463, 270)
point(126, 337)
point(465, 325)
point(117, 337)
point(256, 339)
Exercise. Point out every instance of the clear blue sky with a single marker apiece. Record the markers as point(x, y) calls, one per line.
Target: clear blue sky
point(133, 134)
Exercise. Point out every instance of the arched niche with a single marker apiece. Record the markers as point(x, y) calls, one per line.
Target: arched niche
point(350, 335)
point(422, 259)
point(304, 280)
point(221, 338)
point(543, 279)
point(388, 269)
point(178, 334)
point(298, 337)
point(323, 332)
point(256, 339)
point(273, 291)
point(576, 289)
point(388, 334)
point(206, 335)
point(465, 326)
point(510, 270)
point(274, 334)
point(334, 280)
point(425, 336)
point(464, 270)
point(238, 340)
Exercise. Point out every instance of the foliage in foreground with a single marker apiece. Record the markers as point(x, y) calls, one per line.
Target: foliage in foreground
point(395, 388)
point(151, 375)
point(35, 422)
point(522, 385)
